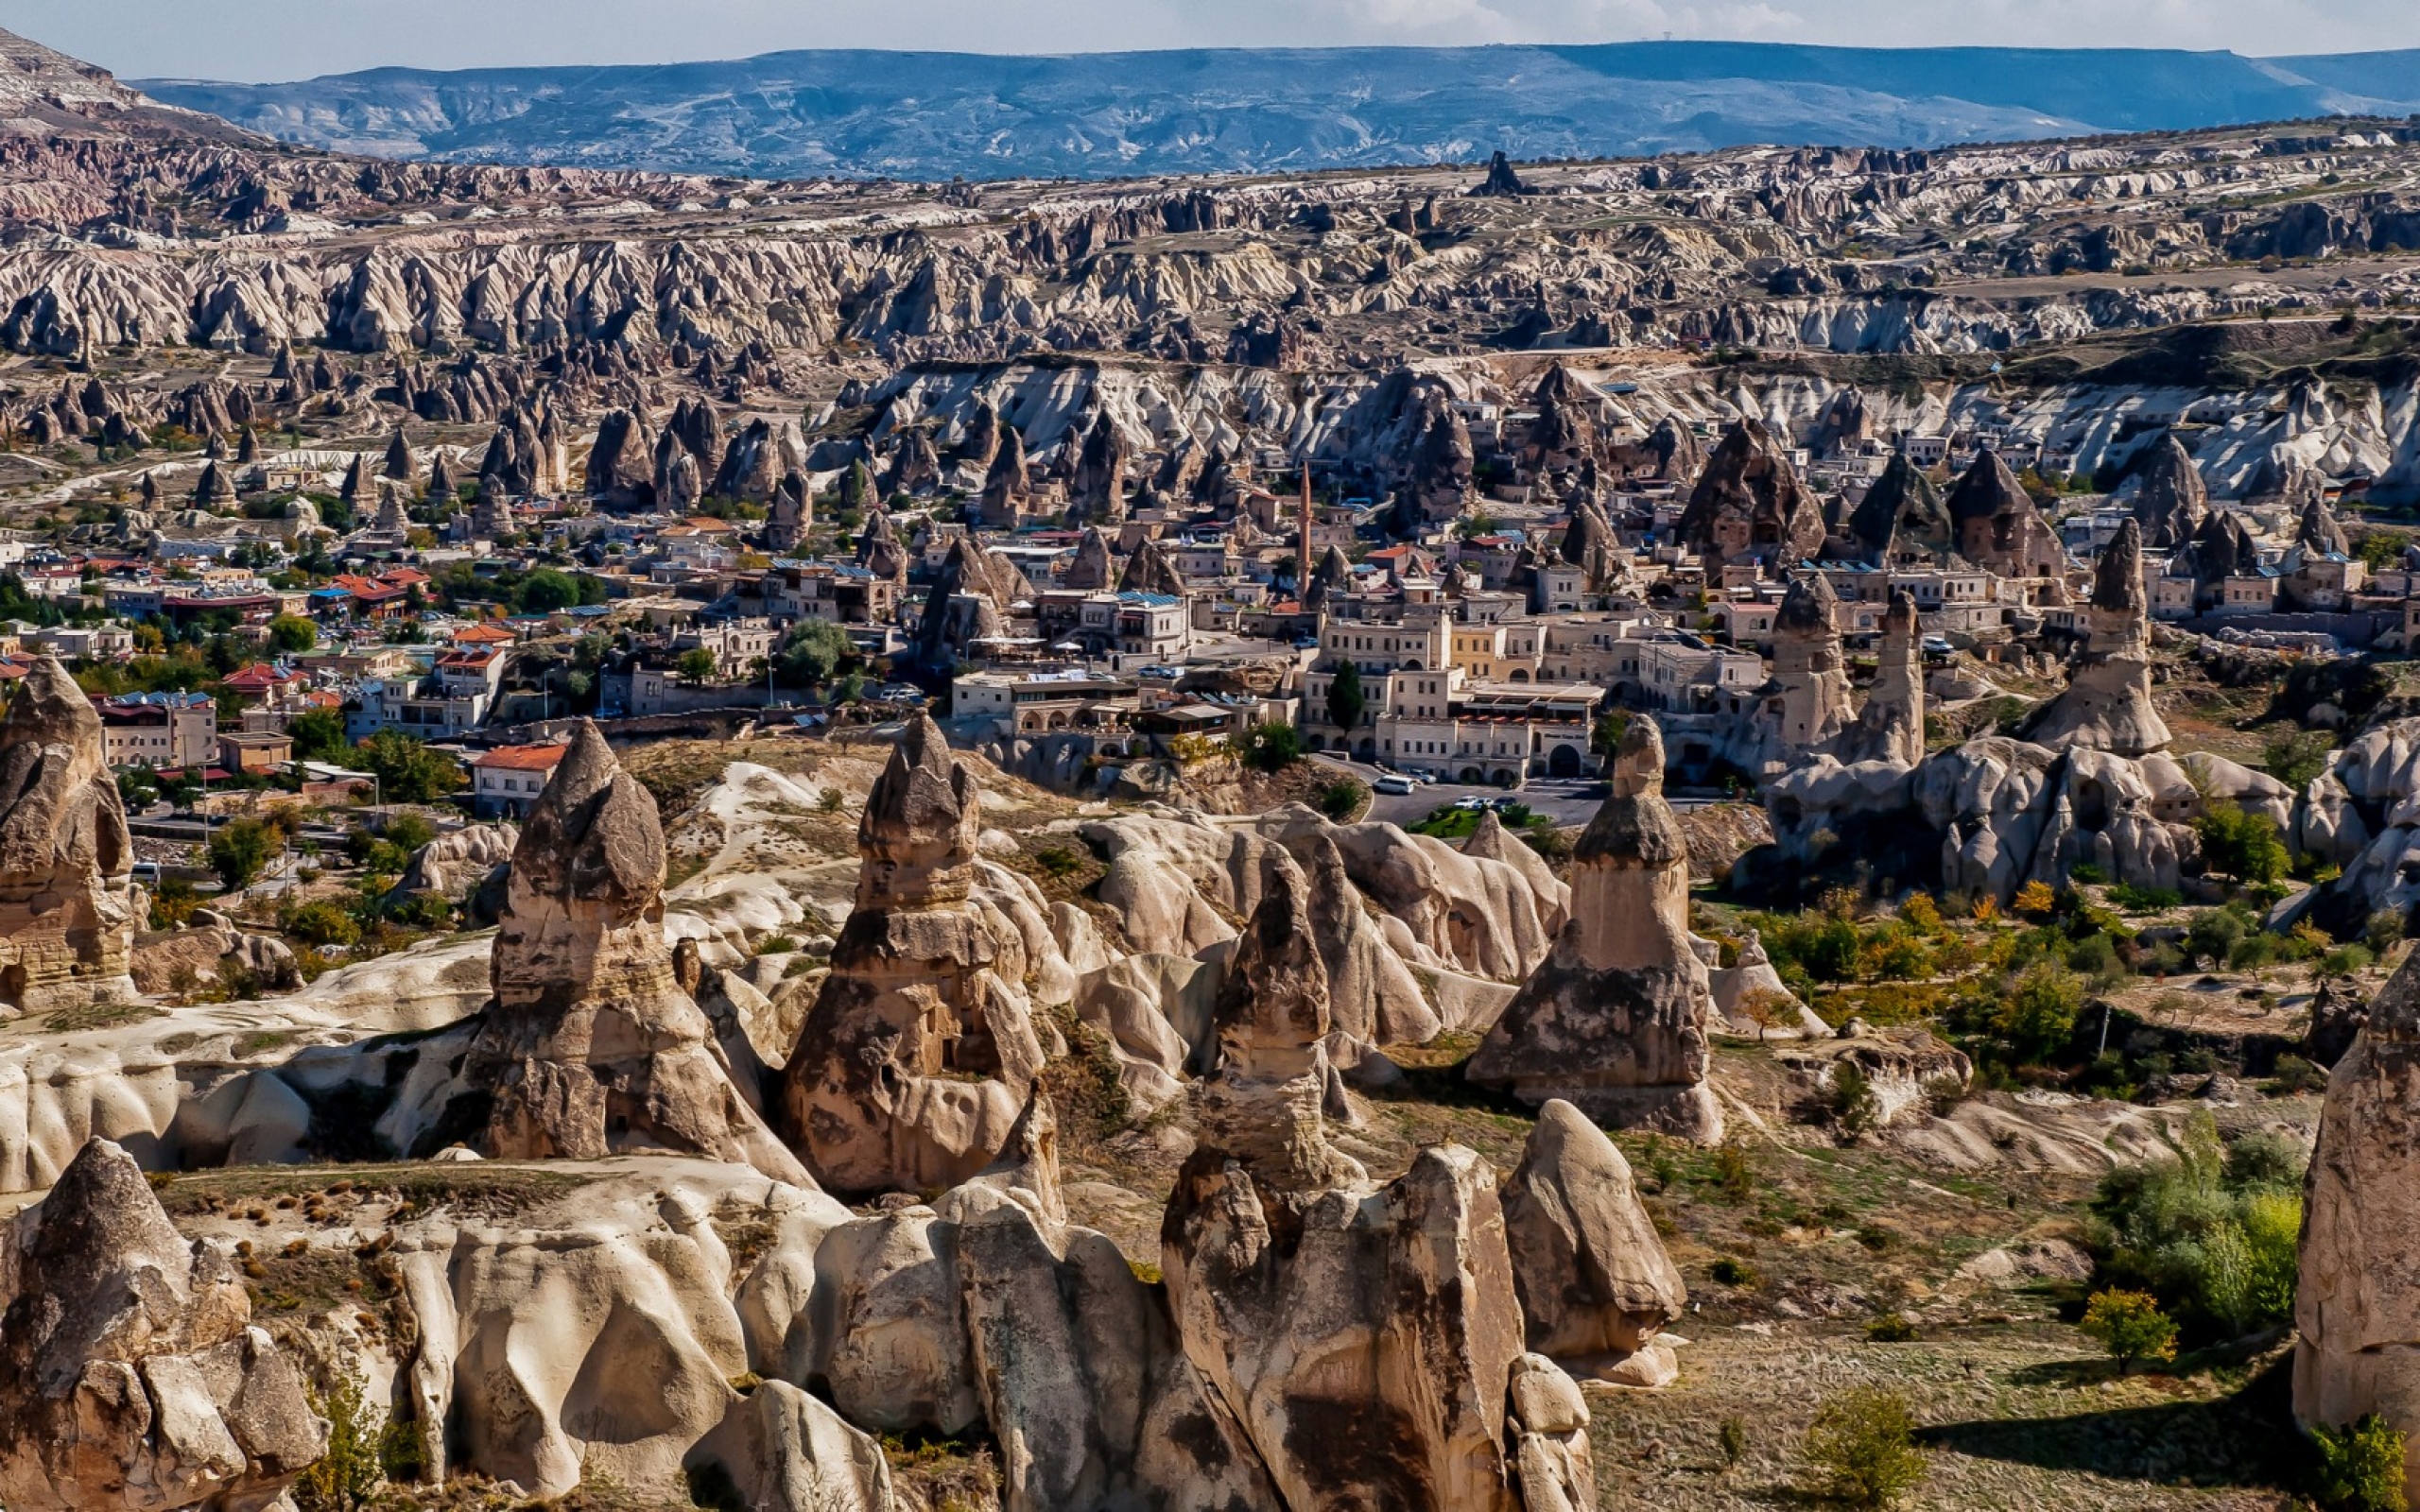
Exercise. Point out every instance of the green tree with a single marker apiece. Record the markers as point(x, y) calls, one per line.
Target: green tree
point(2130, 1326)
point(241, 848)
point(1605, 737)
point(2240, 843)
point(408, 770)
point(2037, 1017)
point(813, 652)
point(2296, 758)
point(324, 922)
point(1862, 1447)
point(547, 591)
point(292, 632)
point(695, 666)
point(1346, 703)
point(317, 735)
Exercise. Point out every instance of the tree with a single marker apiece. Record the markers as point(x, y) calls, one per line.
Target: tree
point(2130, 1326)
point(292, 632)
point(696, 665)
point(1862, 1447)
point(2038, 1018)
point(1766, 1009)
point(1605, 737)
point(1345, 700)
point(317, 735)
point(813, 652)
point(408, 771)
point(240, 849)
point(2243, 845)
point(547, 591)
point(1272, 746)
point(2360, 1467)
point(2295, 759)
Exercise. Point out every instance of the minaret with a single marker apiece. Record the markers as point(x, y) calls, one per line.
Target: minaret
point(1303, 545)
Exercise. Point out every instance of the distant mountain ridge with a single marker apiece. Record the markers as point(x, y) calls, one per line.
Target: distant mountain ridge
point(931, 115)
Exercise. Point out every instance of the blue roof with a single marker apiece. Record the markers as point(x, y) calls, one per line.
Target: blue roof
point(1151, 600)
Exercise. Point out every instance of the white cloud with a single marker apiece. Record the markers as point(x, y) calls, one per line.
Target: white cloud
point(288, 39)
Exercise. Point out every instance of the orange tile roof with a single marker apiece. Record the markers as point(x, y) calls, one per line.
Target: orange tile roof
point(522, 758)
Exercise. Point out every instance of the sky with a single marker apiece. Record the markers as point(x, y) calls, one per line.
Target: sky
point(262, 41)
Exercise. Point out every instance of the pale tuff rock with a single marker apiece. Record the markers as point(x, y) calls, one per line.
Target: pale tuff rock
point(1615, 1019)
point(785, 1451)
point(1750, 501)
point(879, 551)
point(1998, 526)
point(1891, 727)
point(2171, 501)
point(1594, 1281)
point(1151, 569)
point(2356, 1308)
point(1261, 1103)
point(66, 861)
point(969, 600)
point(129, 1374)
point(1810, 666)
point(1549, 1422)
point(592, 1045)
point(915, 1062)
point(788, 516)
point(1364, 1341)
point(1093, 567)
point(1097, 493)
point(2107, 704)
point(1902, 1068)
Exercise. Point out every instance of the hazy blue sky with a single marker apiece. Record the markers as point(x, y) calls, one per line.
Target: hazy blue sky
point(268, 39)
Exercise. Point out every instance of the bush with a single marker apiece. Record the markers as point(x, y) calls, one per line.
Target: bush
point(2130, 1326)
point(1853, 1106)
point(1270, 746)
point(1891, 1328)
point(1729, 1272)
point(172, 906)
point(322, 922)
point(1731, 1439)
point(1733, 1175)
point(2211, 1235)
point(1862, 1447)
point(2383, 930)
point(2360, 1467)
point(2136, 899)
point(347, 1477)
point(1342, 798)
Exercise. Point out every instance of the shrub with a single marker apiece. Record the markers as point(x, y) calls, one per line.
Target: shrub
point(1891, 1328)
point(2360, 1467)
point(1729, 1272)
point(1862, 1447)
point(2295, 1075)
point(2037, 898)
point(1272, 746)
point(1733, 1175)
point(1920, 914)
point(347, 1477)
point(1853, 1106)
point(1731, 1439)
point(2136, 899)
point(322, 922)
point(2130, 1326)
point(407, 832)
point(1057, 861)
point(2344, 960)
point(2211, 1234)
point(172, 906)
point(2383, 929)
point(1342, 798)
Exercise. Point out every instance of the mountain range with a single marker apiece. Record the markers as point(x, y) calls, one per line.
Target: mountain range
point(929, 115)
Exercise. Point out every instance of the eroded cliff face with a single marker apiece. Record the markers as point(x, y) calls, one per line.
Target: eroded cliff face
point(67, 905)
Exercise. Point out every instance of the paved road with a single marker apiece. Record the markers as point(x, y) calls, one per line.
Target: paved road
point(1565, 801)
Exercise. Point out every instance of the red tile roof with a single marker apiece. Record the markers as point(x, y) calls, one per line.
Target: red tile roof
point(522, 758)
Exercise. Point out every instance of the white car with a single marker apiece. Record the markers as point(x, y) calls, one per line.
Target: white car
point(1392, 783)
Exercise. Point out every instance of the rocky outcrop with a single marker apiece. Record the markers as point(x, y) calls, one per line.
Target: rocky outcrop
point(67, 860)
point(969, 600)
point(1096, 494)
point(130, 1373)
point(1998, 526)
point(1151, 569)
point(919, 1053)
point(1007, 485)
point(1596, 1284)
point(1750, 501)
point(2171, 501)
point(2355, 1308)
point(1810, 668)
point(1902, 518)
point(592, 1045)
point(1093, 567)
point(1891, 727)
point(1615, 1021)
point(2107, 704)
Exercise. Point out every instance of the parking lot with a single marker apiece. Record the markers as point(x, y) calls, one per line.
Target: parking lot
point(1565, 801)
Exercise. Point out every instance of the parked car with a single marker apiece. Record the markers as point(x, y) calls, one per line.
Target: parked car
point(1470, 805)
point(1392, 783)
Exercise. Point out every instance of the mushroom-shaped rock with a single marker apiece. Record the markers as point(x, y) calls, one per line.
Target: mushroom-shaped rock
point(129, 1376)
point(2107, 704)
point(1594, 1281)
point(590, 1044)
point(1614, 1019)
point(914, 1064)
point(67, 860)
